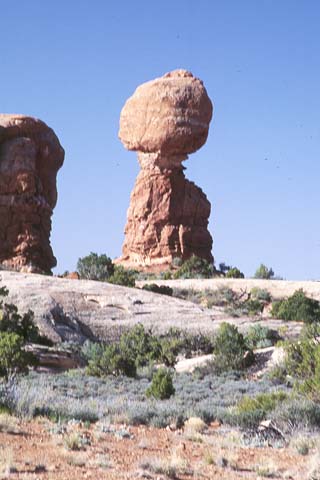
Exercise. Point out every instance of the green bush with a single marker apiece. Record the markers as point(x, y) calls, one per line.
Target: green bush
point(163, 289)
point(264, 272)
point(260, 294)
point(188, 344)
point(23, 325)
point(112, 361)
point(302, 362)
point(167, 275)
point(122, 276)
point(195, 267)
point(13, 357)
point(141, 345)
point(230, 349)
point(265, 402)
point(261, 337)
point(234, 272)
point(138, 347)
point(161, 386)
point(95, 267)
point(253, 306)
point(298, 307)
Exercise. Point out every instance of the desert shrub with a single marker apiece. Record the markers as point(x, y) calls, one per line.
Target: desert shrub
point(263, 272)
point(91, 351)
point(187, 344)
point(296, 413)
point(298, 308)
point(261, 337)
point(265, 402)
point(13, 357)
point(250, 411)
point(195, 267)
point(95, 267)
point(260, 294)
point(122, 276)
point(112, 361)
point(234, 272)
point(161, 386)
point(222, 297)
point(74, 394)
point(141, 345)
point(163, 289)
point(230, 349)
point(137, 346)
point(253, 306)
point(302, 362)
point(167, 275)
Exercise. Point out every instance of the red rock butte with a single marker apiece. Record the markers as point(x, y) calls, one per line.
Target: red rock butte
point(165, 120)
point(30, 157)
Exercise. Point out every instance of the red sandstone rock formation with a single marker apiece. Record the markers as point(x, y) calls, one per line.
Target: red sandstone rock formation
point(30, 156)
point(165, 120)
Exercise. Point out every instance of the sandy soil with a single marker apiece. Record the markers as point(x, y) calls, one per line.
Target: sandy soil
point(34, 450)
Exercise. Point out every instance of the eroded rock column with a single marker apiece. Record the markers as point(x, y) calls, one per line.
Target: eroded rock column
point(30, 157)
point(164, 121)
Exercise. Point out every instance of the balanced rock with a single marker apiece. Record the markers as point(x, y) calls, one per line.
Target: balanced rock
point(164, 121)
point(30, 156)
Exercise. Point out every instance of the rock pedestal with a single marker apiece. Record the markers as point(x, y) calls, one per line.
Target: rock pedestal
point(30, 156)
point(164, 121)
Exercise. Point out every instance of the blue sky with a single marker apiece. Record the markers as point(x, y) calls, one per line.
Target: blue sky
point(74, 63)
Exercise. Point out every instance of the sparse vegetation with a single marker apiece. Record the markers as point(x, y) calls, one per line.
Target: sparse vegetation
point(162, 289)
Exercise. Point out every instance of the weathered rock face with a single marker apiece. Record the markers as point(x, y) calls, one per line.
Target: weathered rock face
point(165, 120)
point(30, 156)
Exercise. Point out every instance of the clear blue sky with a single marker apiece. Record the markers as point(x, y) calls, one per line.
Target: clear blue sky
point(73, 63)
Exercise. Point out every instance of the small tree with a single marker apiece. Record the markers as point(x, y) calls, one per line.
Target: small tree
point(13, 358)
point(230, 349)
point(161, 386)
point(264, 272)
point(195, 267)
point(234, 272)
point(122, 276)
point(95, 267)
point(112, 361)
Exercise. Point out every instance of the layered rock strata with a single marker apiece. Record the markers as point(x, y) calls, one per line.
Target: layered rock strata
point(164, 121)
point(30, 157)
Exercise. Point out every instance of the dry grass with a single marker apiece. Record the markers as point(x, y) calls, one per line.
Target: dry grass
point(8, 423)
point(172, 466)
point(194, 425)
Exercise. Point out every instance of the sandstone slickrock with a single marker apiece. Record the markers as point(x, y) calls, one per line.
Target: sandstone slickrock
point(30, 156)
point(165, 120)
point(69, 310)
